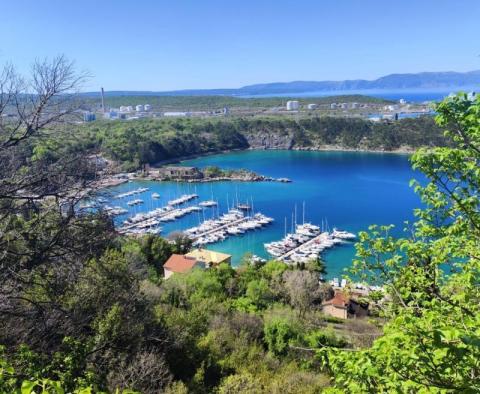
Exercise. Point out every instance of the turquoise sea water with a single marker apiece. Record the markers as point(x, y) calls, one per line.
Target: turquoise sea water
point(351, 190)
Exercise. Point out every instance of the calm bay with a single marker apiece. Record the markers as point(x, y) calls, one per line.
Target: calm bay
point(347, 190)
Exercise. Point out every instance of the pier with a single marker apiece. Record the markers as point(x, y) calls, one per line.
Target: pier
point(306, 243)
point(230, 224)
point(320, 237)
point(175, 211)
point(220, 228)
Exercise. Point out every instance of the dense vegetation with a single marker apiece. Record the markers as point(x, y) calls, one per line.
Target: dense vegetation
point(139, 142)
point(221, 329)
point(84, 309)
point(431, 341)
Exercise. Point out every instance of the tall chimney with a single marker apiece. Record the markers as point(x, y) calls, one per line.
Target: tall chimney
point(103, 102)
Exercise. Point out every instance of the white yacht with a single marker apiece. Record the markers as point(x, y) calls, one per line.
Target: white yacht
point(208, 203)
point(343, 234)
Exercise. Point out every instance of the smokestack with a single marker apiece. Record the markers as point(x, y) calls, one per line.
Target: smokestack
point(103, 102)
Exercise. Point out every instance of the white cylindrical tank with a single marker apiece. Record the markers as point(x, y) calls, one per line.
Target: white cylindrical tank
point(139, 108)
point(312, 106)
point(293, 105)
point(147, 107)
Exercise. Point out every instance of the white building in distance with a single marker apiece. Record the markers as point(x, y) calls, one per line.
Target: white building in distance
point(293, 105)
point(393, 107)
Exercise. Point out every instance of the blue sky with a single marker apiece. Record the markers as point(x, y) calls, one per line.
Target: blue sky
point(180, 44)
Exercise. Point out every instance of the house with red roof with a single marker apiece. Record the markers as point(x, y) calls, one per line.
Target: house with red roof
point(179, 264)
point(344, 306)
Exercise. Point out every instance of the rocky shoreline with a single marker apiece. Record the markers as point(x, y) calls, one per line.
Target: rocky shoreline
point(336, 148)
point(258, 178)
point(208, 174)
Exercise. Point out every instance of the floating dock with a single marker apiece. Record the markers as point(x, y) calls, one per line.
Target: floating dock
point(306, 243)
point(230, 224)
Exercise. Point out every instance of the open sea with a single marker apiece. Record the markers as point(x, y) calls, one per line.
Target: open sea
point(347, 190)
point(411, 95)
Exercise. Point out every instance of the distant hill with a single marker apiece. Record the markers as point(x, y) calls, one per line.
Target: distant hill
point(425, 80)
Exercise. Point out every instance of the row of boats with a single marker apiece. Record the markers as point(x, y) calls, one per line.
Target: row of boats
point(173, 203)
point(130, 193)
point(232, 223)
point(137, 201)
point(178, 201)
point(151, 219)
point(182, 199)
point(306, 243)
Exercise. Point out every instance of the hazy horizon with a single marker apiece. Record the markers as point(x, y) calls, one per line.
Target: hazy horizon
point(286, 82)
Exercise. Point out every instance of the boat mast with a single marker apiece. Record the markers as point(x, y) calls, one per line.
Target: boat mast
point(295, 216)
point(303, 212)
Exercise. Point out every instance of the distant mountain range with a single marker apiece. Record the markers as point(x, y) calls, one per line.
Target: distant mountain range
point(425, 80)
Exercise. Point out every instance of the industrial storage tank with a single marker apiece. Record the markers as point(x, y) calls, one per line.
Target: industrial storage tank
point(139, 108)
point(147, 107)
point(312, 106)
point(292, 105)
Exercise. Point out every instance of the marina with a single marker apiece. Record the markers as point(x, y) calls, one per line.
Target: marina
point(130, 193)
point(230, 224)
point(182, 200)
point(149, 220)
point(306, 241)
point(374, 179)
point(312, 248)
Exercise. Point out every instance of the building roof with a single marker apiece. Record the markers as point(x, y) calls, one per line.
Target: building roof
point(208, 256)
point(179, 264)
point(339, 300)
point(179, 168)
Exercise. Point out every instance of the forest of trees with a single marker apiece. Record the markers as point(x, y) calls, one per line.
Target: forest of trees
point(150, 141)
point(85, 310)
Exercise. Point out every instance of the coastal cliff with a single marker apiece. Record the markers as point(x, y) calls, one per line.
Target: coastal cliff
point(270, 140)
